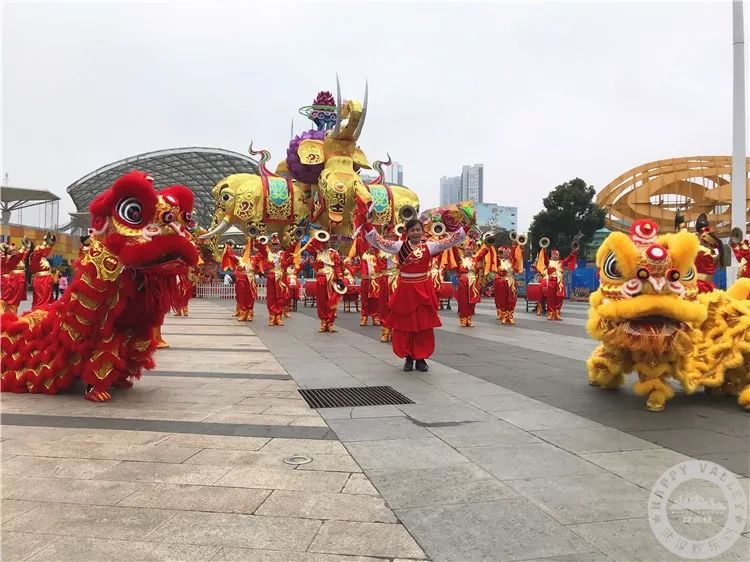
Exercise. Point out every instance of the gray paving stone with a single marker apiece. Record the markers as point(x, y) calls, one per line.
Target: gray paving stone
point(461, 483)
point(103, 522)
point(278, 479)
point(304, 446)
point(245, 554)
point(443, 413)
point(511, 529)
point(639, 467)
point(404, 453)
point(87, 492)
point(186, 497)
point(633, 540)
point(320, 505)
point(593, 440)
point(366, 539)
point(162, 472)
point(82, 548)
point(534, 460)
point(14, 508)
point(501, 403)
point(545, 418)
point(375, 429)
point(582, 498)
point(359, 484)
point(483, 433)
point(243, 531)
point(332, 463)
point(58, 467)
point(471, 390)
point(19, 546)
point(737, 462)
point(695, 441)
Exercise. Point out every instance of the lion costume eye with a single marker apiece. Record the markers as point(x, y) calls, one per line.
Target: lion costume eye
point(130, 210)
point(226, 196)
point(610, 267)
point(690, 275)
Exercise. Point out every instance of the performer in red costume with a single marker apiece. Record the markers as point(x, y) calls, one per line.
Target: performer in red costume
point(370, 288)
point(553, 274)
point(710, 251)
point(14, 276)
point(245, 287)
point(504, 263)
point(413, 306)
point(41, 272)
point(741, 250)
point(328, 278)
point(467, 293)
point(275, 261)
point(388, 280)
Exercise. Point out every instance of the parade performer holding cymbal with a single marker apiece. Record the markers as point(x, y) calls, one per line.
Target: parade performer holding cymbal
point(275, 262)
point(413, 306)
point(330, 285)
point(467, 293)
point(14, 275)
point(41, 272)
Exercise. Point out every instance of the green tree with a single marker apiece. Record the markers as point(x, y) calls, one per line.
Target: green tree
point(569, 209)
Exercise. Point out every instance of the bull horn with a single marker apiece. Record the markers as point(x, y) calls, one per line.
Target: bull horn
point(218, 231)
point(337, 127)
point(361, 123)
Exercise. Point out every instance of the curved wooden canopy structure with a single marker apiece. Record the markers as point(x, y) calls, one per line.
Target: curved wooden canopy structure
point(658, 190)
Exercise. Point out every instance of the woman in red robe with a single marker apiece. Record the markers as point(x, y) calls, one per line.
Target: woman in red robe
point(412, 314)
point(14, 277)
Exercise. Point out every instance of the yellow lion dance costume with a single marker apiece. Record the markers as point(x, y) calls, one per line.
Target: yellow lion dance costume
point(721, 357)
point(650, 319)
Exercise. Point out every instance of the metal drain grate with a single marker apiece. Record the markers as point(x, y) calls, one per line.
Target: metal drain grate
point(352, 396)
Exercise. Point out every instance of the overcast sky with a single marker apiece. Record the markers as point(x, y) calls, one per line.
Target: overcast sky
point(540, 93)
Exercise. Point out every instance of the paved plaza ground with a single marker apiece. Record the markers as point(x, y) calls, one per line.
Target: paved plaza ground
point(506, 453)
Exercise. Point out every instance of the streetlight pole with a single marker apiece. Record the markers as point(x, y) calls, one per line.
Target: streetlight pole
point(739, 171)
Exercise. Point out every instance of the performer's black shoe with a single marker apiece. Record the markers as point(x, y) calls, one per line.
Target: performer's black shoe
point(408, 364)
point(422, 365)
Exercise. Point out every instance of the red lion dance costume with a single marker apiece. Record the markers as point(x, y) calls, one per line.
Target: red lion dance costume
point(14, 276)
point(245, 287)
point(102, 329)
point(41, 273)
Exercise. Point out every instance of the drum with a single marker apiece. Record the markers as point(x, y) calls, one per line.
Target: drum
point(445, 291)
point(534, 292)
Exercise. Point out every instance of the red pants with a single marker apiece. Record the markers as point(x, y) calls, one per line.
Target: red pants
point(417, 345)
point(554, 300)
point(385, 295)
point(505, 295)
point(327, 300)
point(42, 285)
point(244, 294)
point(370, 304)
point(276, 294)
point(466, 300)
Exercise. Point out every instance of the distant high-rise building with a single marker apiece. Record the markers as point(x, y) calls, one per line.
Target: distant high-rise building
point(450, 190)
point(496, 216)
point(394, 173)
point(472, 183)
